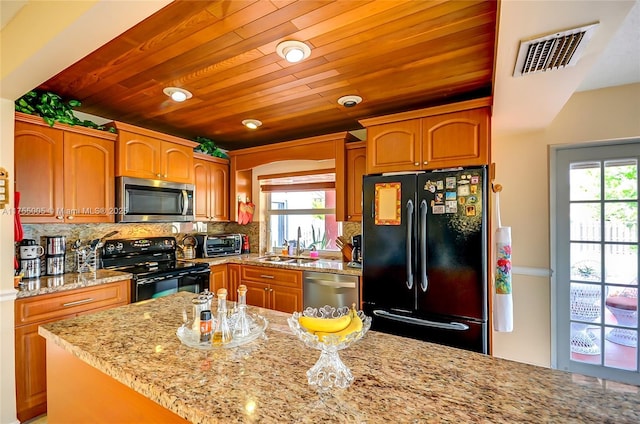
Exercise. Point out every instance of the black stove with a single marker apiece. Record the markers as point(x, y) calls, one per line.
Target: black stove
point(156, 270)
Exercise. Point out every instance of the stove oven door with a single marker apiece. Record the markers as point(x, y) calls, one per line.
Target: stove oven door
point(152, 287)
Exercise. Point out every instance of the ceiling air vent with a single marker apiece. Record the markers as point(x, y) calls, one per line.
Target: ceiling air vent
point(553, 51)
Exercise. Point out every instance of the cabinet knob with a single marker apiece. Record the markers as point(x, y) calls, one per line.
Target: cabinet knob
point(425, 162)
point(417, 164)
point(266, 289)
point(348, 216)
point(165, 175)
point(59, 217)
point(70, 217)
point(158, 175)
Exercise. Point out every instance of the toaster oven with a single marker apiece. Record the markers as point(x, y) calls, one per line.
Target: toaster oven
point(216, 245)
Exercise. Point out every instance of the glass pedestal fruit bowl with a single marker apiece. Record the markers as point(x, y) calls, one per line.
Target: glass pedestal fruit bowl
point(329, 330)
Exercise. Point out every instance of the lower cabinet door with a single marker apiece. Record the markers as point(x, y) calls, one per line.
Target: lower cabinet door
point(257, 294)
point(286, 299)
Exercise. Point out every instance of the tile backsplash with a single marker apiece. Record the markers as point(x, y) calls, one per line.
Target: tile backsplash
point(87, 232)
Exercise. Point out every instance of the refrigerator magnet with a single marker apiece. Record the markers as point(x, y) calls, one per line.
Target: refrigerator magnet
point(472, 199)
point(471, 210)
point(440, 185)
point(387, 204)
point(450, 182)
point(473, 189)
point(475, 179)
point(429, 186)
point(438, 209)
point(450, 195)
point(464, 190)
point(462, 200)
point(439, 197)
point(451, 206)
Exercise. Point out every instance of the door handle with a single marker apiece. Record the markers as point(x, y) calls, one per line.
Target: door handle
point(457, 326)
point(408, 244)
point(424, 282)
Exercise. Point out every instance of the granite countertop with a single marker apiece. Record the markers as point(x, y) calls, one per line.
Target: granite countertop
point(333, 266)
point(55, 283)
point(396, 379)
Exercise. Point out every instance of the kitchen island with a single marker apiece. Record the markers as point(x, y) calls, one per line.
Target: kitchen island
point(136, 355)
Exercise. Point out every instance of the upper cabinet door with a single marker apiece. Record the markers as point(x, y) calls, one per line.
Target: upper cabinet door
point(394, 147)
point(202, 180)
point(456, 139)
point(176, 163)
point(138, 156)
point(38, 172)
point(356, 159)
point(220, 187)
point(88, 178)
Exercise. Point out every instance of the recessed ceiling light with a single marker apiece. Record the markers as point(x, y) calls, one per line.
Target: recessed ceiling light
point(252, 124)
point(177, 94)
point(293, 51)
point(349, 101)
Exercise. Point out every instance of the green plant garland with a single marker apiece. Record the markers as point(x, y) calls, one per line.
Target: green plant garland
point(208, 146)
point(52, 109)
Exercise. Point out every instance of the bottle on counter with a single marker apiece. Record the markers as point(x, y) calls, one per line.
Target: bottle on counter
point(200, 303)
point(222, 332)
point(242, 322)
point(206, 326)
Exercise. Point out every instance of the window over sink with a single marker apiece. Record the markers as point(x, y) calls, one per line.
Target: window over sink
point(301, 201)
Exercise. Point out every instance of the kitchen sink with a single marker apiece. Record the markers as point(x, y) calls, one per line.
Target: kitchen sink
point(286, 260)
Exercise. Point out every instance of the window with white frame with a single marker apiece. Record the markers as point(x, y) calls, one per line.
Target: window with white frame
point(303, 202)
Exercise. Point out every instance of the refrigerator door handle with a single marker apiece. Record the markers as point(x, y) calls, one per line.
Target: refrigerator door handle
point(424, 282)
point(458, 326)
point(408, 244)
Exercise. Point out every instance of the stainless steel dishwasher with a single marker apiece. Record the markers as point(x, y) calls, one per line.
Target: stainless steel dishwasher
point(323, 288)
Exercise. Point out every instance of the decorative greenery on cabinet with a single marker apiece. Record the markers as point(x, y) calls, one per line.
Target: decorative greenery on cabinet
point(208, 147)
point(52, 109)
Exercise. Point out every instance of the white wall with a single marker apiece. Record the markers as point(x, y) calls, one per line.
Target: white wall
point(522, 167)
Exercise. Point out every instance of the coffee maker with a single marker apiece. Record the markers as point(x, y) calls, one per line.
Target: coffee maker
point(356, 241)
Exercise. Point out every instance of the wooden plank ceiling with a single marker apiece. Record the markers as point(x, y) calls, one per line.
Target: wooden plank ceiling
point(396, 55)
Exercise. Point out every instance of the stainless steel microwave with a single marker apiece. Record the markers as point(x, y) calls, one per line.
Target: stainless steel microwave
point(142, 200)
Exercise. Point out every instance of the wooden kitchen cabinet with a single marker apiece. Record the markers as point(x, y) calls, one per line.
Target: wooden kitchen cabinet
point(273, 288)
point(63, 173)
point(211, 179)
point(218, 278)
point(356, 164)
point(30, 348)
point(143, 153)
point(233, 281)
point(439, 137)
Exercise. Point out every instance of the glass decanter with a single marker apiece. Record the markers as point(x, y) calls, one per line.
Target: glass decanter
point(222, 332)
point(200, 303)
point(242, 324)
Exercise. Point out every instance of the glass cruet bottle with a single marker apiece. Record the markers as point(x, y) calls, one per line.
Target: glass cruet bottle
point(200, 303)
point(242, 326)
point(222, 331)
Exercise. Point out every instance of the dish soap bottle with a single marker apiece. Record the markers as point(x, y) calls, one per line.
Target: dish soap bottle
point(222, 332)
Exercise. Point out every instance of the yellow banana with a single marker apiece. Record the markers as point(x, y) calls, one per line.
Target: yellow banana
point(354, 325)
point(329, 325)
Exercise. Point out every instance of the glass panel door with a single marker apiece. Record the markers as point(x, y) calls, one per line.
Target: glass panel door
point(597, 261)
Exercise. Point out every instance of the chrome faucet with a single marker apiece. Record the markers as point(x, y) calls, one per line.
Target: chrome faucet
point(298, 251)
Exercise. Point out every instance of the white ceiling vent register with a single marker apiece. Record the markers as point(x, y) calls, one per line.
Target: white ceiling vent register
point(553, 51)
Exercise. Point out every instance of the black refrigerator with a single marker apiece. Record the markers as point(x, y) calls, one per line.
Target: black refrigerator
point(425, 256)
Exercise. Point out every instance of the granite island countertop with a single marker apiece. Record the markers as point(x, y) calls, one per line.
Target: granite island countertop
point(396, 379)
